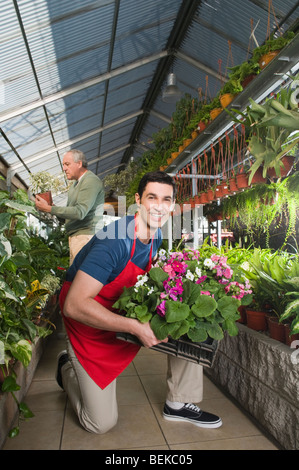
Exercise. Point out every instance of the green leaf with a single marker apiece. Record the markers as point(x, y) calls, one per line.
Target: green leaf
point(176, 311)
point(158, 275)
point(10, 384)
point(14, 432)
point(228, 306)
point(204, 306)
point(231, 327)
point(198, 334)
point(25, 410)
point(22, 351)
point(214, 331)
point(142, 313)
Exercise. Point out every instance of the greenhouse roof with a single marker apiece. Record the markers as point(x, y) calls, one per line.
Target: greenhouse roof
point(90, 74)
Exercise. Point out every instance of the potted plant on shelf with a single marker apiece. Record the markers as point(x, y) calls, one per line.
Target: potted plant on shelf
point(229, 91)
point(45, 185)
point(245, 72)
point(265, 53)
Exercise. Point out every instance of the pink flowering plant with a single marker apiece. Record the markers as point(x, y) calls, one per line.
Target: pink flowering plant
point(188, 293)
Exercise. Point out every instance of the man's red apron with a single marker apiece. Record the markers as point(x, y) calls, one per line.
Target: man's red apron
point(99, 352)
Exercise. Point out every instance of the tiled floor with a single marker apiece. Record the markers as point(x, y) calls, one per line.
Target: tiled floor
point(141, 392)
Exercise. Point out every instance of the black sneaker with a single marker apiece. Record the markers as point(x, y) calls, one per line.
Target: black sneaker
point(62, 358)
point(192, 414)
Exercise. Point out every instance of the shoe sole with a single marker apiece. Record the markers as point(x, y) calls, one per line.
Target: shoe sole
point(214, 425)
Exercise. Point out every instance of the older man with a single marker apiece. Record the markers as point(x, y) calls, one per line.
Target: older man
point(84, 210)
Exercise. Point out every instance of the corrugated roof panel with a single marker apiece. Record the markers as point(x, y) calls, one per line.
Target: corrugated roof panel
point(67, 47)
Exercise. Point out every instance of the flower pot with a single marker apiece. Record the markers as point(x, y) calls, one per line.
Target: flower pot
point(248, 79)
point(197, 199)
point(201, 126)
point(256, 320)
point(187, 142)
point(218, 192)
point(233, 185)
point(215, 112)
point(242, 180)
point(258, 176)
point(288, 162)
point(211, 195)
point(47, 196)
point(204, 198)
point(194, 135)
point(174, 155)
point(242, 312)
point(226, 99)
point(181, 148)
point(288, 337)
point(276, 329)
point(224, 188)
point(267, 58)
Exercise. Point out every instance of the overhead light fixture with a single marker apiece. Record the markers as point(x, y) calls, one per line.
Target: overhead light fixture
point(171, 93)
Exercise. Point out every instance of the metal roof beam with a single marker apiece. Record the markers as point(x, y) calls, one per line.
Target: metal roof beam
point(199, 65)
point(81, 86)
point(181, 25)
point(68, 143)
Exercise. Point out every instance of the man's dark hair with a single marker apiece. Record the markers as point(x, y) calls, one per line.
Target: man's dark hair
point(156, 177)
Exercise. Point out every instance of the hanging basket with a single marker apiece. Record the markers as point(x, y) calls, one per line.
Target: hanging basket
point(288, 162)
point(242, 180)
point(258, 176)
point(233, 185)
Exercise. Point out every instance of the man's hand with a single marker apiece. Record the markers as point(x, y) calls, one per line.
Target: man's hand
point(146, 335)
point(41, 204)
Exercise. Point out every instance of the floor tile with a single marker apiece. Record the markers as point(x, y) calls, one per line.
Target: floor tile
point(137, 427)
point(42, 432)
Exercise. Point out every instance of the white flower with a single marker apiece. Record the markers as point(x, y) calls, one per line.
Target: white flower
point(198, 271)
point(189, 275)
point(162, 252)
point(209, 263)
point(150, 291)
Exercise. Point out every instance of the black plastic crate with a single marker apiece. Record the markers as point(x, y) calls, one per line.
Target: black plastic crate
point(200, 353)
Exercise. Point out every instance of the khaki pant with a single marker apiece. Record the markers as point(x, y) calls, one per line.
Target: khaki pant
point(76, 242)
point(97, 409)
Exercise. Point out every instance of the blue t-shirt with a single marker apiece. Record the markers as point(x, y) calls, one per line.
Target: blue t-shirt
point(106, 255)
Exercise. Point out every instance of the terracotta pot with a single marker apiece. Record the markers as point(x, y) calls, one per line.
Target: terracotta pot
point(204, 198)
point(267, 58)
point(258, 176)
point(201, 126)
point(218, 191)
point(226, 99)
point(256, 320)
point(288, 162)
point(242, 312)
point(276, 329)
point(169, 160)
point(47, 197)
point(242, 180)
point(197, 199)
point(211, 195)
point(247, 80)
point(174, 155)
point(224, 188)
point(215, 112)
point(233, 185)
point(289, 338)
point(181, 148)
point(194, 135)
